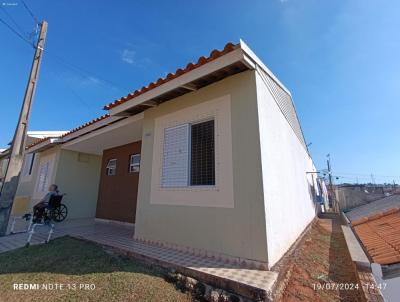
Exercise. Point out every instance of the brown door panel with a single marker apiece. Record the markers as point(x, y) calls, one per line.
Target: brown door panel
point(118, 193)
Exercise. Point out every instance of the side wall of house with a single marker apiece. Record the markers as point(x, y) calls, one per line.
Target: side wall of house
point(78, 175)
point(228, 219)
point(289, 205)
point(26, 195)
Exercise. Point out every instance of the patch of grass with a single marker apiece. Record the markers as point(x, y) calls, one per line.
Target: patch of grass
point(73, 262)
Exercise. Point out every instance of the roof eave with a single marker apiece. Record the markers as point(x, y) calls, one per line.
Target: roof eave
point(182, 81)
point(48, 143)
point(242, 54)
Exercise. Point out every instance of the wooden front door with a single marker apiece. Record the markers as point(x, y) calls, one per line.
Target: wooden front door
point(119, 183)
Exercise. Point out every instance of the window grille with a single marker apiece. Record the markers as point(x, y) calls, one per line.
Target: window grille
point(189, 155)
point(202, 161)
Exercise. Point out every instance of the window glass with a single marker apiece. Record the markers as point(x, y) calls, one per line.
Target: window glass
point(111, 168)
point(134, 163)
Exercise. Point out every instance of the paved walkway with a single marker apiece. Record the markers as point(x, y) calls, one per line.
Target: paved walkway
point(248, 282)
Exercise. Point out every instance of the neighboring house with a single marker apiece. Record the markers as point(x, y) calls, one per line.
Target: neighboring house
point(210, 158)
point(350, 196)
point(3, 164)
point(379, 234)
point(31, 137)
point(374, 207)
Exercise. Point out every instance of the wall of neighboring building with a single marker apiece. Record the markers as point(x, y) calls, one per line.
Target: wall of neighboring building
point(78, 175)
point(228, 218)
point(351, 197)
point(288, 192)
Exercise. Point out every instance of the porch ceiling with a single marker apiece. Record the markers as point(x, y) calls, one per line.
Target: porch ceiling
point(120, 133)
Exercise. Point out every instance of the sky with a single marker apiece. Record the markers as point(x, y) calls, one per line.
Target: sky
point(339, 59)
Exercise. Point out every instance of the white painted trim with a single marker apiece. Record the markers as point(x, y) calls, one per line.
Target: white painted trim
point(221, 195)
point(43, 145)
point(246, 49)
point(121, 121)
point(92, 127)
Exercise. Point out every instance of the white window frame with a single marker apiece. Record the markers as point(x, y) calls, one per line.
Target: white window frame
point(43, 177)
point(41, 187)
point(111, 166)
point(134, 167)
point(165, 183)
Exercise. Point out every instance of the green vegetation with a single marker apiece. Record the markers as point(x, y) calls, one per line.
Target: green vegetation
point(74, 263)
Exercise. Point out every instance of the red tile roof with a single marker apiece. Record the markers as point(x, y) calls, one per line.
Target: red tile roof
point(179, 72)
point(201, 61)
point(37, 142)
point(98, 119)
point(380, 235)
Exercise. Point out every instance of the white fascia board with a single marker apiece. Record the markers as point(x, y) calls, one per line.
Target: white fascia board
point(43, 134)
point(256, 60)
point(91, 127)
point(123, 122)
point(44, 145)
point(219, 63)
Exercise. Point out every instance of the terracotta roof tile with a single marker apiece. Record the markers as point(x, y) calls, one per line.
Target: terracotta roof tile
point(380, 235)
point(98, 119)
point(201, 61)
point(38, 142)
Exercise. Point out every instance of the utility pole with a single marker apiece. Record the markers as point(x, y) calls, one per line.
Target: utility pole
point(17, 150)
point(331, 195)
point(373, 179)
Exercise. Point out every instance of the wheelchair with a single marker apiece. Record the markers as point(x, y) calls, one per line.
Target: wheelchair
point(54, 211)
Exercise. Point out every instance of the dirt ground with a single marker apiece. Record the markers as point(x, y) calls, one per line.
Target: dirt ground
point(322, 268)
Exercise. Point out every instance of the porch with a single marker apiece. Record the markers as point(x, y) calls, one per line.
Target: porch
point(216, 272)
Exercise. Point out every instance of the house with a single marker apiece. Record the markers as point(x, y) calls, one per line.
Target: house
point(377, 227)
point(211, 158)
point(31, 137)
point(3, 164)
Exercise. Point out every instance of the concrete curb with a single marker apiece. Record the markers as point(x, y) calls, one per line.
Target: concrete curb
point(357, 254)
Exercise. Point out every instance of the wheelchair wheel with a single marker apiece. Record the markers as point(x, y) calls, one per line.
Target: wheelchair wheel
point(60, 213)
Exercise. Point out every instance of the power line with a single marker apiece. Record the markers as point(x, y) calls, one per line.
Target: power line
point(61, 60)
point(82, 71)
point(16, 33)
point(30, 12)
point(12, 19)
point(368, 175)
point(86, 104)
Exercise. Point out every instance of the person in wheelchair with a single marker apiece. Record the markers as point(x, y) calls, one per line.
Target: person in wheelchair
point(40, 207)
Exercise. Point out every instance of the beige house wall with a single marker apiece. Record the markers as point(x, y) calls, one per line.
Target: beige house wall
point(235, 230)
point(75, 173)
point(78, 175)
